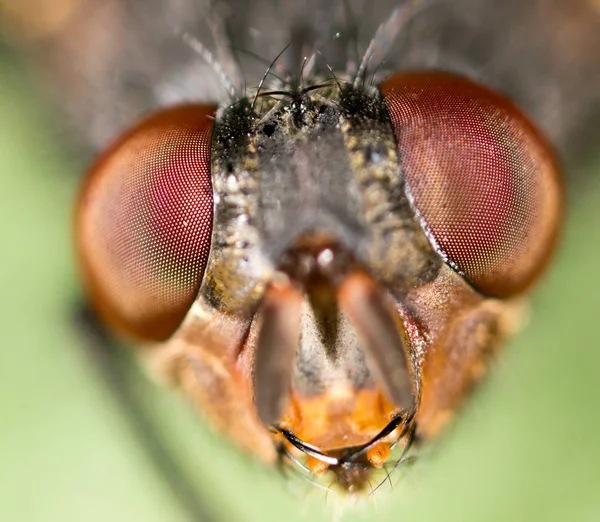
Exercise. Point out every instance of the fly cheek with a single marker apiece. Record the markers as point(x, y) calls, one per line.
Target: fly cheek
point(484, 184)
point(144, 222)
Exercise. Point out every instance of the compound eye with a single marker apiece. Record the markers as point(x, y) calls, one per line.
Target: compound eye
point(144, 222)
point(483, 181)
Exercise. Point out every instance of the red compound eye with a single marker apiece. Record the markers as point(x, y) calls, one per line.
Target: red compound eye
point(144, 222)
point(482, 179)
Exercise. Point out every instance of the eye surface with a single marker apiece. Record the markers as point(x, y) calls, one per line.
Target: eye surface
point(483, 181)
point(144, 222)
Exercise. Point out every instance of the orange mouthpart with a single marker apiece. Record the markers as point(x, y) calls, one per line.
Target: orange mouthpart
point(338, 419)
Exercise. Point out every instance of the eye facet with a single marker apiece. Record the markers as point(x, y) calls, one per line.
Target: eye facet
point(144, 222)
point(483, 181)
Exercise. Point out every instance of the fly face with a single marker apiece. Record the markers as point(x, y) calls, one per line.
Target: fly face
point(324, 265)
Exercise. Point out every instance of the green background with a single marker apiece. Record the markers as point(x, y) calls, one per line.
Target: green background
point(526, 448)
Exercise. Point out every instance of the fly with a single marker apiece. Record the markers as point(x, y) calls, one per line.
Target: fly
point(324, 264)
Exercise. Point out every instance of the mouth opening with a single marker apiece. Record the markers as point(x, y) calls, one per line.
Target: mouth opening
point(352, 467)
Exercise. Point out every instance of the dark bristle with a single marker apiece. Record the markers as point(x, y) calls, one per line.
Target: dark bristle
point(267, 72)
point(316, 87)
